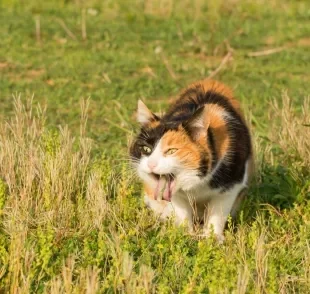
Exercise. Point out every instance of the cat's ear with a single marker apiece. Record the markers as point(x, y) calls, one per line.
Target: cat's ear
point(197, 125)
point(144, 115)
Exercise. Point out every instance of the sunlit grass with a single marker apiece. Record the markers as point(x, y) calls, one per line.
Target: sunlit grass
point(71, 216)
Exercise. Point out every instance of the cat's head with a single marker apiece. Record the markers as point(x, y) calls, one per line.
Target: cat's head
point(171, 154)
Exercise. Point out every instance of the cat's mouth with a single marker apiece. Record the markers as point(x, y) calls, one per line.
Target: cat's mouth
point(164, 186)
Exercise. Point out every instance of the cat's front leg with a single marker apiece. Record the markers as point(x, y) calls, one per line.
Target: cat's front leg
point(162, 208)
point(183, 212)
point(179, 208)
point(218, 211)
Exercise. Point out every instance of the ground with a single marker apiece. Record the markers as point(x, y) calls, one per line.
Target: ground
point(71, 215)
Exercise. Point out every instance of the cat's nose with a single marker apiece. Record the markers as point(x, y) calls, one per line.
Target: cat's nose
point(151, 164)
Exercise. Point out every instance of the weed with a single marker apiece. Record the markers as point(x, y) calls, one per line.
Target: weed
point(71, 216)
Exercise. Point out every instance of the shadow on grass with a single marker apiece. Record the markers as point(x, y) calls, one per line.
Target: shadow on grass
point(279, 186)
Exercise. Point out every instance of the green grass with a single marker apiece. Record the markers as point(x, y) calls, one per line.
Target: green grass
point(72, 219)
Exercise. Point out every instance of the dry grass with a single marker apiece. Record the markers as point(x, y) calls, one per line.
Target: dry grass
point(71, 217)
point(292, 132)
point(45, 178)
point(55, 192)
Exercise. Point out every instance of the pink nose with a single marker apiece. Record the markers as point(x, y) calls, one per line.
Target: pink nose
point(151, 164)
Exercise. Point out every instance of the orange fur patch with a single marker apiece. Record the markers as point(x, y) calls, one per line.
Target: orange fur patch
point(212, 85)
point(219, 126)
point(149, 191)
point(189, 153)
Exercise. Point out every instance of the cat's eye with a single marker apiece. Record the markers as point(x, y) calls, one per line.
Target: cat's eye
point(146, 149)
point(171, 151)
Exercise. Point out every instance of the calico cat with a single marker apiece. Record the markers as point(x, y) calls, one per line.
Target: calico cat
point(196, 160)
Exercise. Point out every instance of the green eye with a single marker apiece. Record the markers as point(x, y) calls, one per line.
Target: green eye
point(171, 151)
point(146, 150)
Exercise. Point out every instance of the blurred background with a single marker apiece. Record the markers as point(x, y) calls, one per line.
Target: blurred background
point(117, 52)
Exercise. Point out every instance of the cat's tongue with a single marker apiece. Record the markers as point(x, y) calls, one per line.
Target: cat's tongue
point(163, 189)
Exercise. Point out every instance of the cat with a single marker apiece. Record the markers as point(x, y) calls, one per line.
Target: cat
point(195, 161)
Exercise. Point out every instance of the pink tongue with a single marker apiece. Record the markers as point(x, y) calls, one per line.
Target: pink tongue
point(163, 189)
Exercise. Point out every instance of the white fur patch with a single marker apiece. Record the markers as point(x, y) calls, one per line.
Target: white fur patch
point(144, 115)
point(164, 209)
point(163, 164)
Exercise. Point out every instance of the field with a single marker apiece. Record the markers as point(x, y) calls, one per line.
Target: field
point(71, 213)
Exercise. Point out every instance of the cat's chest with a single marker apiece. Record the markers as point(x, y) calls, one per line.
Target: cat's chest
point(199, 194)
point(205, 193)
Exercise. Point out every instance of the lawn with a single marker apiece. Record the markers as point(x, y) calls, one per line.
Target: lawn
point(71, 213)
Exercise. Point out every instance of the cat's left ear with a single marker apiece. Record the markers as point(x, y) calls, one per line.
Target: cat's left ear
point(197, 124)
point(144, 115)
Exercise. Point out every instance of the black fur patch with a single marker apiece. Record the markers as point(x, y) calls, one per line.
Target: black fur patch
point(149, 137)
point(203, 166)
point(211, 145)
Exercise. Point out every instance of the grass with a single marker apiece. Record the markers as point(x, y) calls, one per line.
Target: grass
point(71, 215)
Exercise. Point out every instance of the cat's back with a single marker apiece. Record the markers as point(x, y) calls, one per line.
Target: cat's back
point(199, 94)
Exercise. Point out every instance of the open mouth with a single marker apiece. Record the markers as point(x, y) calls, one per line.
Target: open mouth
point(164, 186)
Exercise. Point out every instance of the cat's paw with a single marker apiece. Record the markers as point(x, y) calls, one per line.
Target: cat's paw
point(162, 208)
point(220, 238)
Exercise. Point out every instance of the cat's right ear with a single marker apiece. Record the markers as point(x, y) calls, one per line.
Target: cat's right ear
point(144, 115)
